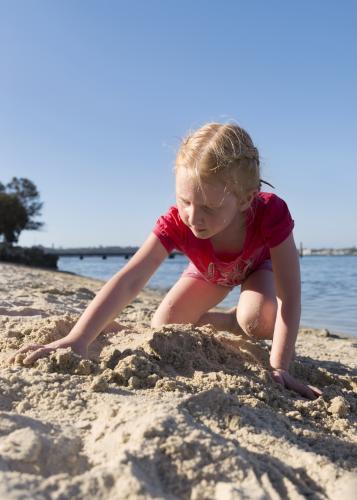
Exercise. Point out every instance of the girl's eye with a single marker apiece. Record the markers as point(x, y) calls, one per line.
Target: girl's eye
point(207, 210)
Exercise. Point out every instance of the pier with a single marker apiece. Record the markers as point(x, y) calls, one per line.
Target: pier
point(127, 254)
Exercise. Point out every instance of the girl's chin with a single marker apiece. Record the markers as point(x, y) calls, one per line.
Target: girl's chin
point(202, 234)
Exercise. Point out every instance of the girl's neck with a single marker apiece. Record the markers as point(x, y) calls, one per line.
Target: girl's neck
point(231, 239)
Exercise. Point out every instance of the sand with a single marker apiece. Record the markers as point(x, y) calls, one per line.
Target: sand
point(170, 413)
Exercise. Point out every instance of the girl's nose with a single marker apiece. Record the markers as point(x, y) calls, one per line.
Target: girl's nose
point(194, 216)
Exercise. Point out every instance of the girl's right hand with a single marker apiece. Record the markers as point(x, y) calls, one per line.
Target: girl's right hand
point(37, 351)
point(284, 378)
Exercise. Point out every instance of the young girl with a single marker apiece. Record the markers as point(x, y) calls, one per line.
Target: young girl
point(233, 235)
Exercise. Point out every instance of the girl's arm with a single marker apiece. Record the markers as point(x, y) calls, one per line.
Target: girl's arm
point(121, 289)
point(286, 269)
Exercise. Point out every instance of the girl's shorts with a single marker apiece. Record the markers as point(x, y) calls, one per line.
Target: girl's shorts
point(192, 272)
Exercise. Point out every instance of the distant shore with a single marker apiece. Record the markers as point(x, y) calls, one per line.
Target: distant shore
point(129, 250)
point(330, 251)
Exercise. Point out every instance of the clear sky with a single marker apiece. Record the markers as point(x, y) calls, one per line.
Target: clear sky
point(95, 96)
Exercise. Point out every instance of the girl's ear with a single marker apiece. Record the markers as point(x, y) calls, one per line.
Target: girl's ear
point(249, 197)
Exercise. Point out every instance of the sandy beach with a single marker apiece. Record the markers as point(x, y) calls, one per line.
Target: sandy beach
point(172, 413)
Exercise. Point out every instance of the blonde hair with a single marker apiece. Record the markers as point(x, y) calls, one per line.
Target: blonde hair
point(223, 150)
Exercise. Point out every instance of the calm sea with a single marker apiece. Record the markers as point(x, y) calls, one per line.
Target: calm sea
point(329, 286)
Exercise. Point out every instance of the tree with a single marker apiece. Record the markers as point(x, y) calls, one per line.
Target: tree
point(19, 205)
point(27, 193)
point(13, 217)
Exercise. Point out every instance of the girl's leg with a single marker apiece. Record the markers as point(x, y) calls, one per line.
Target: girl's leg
point(257, 305)
point(256, 311)
point(222, 320)
point(188, 300)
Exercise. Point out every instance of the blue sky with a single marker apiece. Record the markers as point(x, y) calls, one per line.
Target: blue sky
point(95, 96)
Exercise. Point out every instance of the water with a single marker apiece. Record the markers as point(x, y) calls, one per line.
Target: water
point(329, 286)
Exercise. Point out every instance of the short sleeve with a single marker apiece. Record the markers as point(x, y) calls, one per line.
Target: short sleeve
point(168, 229)
point(277, 222)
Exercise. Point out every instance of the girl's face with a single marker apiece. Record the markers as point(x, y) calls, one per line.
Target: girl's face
point(207, 210)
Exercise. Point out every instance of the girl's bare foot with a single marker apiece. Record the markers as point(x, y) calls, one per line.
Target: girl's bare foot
point(222, 320)
point(114, 327)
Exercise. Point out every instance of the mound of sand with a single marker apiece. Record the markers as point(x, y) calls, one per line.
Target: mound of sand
point(176, 412)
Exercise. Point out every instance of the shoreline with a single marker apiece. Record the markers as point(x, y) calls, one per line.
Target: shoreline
point(174, 412)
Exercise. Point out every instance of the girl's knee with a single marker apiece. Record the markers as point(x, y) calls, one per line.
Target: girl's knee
point(165, 315)
point(258, 323)
point(253, 327)
point(157, 321)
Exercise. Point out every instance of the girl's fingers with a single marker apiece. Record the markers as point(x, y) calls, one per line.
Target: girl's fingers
point(288, 381)
point(308, 393)
point(302, 389)
point(315, 390)
point(40, 353)
point(278, 378)
point(25, 348)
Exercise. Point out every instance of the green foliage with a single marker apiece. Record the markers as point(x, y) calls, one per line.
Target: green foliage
point(19, 205)
point(13, 217)
point(29, 256)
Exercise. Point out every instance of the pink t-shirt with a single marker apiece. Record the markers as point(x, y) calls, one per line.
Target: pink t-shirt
point(268, 223)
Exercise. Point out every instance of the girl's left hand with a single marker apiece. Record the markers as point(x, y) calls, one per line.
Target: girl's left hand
point(284, 378)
